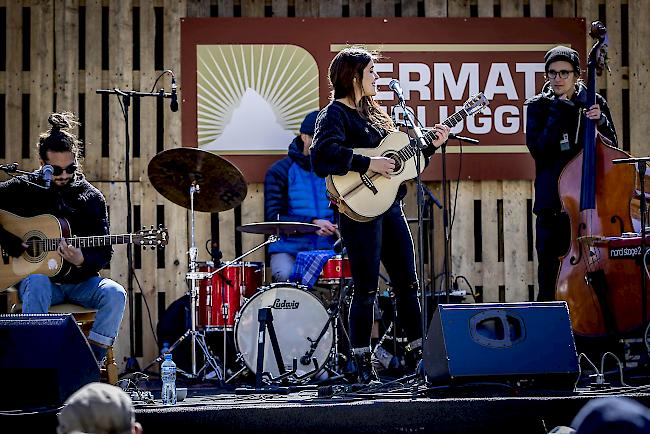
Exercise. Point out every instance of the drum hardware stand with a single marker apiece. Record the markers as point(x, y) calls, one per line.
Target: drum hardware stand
point(265, 318)
point(332, 319)
point(224, 306)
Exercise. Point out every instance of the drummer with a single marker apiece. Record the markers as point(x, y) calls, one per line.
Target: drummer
point(293, 192)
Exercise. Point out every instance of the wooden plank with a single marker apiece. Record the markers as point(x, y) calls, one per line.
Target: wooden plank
point(306, 8)
point(93, 72)
point(537, 8)
point(252, 210)
point(332, 8)
point(491, 192)
point(252, 8)
point(382, 8)
point(41, 60)
point(515, 264)
point(357, 8)
point(563, 8)
point(120, 72)
point(485, 8)
point(614, 76)
point(639, 25)
point(196, 8)
point(512, 8)
point(66, 27)
point(176, 216)
point(458, 8)
point(13, 82)
point(279, 8)
point(462, 232)
point(435, 8)
point(227, 234)
point(225, 8)
point(409, 8)
point(148, 197)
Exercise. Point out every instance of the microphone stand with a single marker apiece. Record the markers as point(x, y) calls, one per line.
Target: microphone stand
point(124, 97)
point(420, 144)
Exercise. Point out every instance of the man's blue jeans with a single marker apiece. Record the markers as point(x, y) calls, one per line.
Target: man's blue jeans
point(38, 293)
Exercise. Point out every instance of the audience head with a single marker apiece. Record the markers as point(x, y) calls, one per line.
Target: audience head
point(99, 409)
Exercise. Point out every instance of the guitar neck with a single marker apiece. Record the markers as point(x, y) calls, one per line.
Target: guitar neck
point(409, 151)
point(51, 244)
point(451, 122)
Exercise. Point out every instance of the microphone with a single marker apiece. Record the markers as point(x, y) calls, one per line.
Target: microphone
point(47, 172)
point(173, 105)
point(454, 136)
point(463, 138)
point(395, 87)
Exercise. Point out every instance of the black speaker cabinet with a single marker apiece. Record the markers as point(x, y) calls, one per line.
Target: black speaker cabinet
point(525, 343)
point(44, 358)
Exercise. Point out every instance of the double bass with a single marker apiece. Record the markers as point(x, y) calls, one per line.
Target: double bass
point(603, 294)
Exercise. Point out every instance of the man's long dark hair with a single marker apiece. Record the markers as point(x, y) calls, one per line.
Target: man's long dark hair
point(347, 65)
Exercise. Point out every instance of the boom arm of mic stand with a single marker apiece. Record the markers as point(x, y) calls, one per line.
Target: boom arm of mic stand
point(12, 169)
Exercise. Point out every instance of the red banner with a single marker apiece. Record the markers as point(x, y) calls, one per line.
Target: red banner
point(248, 82)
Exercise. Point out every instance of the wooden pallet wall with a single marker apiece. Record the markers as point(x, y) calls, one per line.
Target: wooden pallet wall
point(57, 53)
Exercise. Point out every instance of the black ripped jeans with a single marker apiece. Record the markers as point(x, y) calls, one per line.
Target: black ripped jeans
point(387, 238)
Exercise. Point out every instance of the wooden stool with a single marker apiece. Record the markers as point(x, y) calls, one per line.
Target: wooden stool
point(85, 317)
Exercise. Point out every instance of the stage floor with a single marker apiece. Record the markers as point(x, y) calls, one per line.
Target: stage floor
point(386, 408)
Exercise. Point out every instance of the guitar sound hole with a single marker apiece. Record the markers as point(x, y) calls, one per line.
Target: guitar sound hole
point(398, 164)
point(34, 249)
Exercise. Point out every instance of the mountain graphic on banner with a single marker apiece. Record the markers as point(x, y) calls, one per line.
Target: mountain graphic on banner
point(253, 126)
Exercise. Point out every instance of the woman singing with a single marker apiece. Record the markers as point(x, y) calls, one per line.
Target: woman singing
point(353, 119)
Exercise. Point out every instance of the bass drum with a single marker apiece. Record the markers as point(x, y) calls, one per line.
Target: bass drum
point(298, 318)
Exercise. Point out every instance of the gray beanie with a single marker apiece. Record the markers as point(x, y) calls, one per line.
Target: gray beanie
point(562, 53)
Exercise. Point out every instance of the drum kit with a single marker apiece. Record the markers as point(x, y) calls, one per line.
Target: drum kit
point(230, 297)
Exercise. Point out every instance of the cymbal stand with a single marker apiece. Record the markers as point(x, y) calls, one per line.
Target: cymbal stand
point(194, 276)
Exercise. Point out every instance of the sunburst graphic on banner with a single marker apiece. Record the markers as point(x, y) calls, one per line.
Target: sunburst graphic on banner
point(252, 98)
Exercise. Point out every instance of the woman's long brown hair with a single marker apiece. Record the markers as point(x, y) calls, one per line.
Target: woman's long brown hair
point(347, 65)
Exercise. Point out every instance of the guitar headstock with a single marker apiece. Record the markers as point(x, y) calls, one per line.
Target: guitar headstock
point(151, 237)
point(475, 103)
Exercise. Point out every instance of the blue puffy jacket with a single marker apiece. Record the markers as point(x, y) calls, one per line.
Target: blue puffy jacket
point(293, 192)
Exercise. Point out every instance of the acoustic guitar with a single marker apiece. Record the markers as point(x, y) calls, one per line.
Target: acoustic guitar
point(43, 233)
point(363, 197)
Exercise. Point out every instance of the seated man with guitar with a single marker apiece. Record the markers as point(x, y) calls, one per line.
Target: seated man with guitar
point(59, 188)
point(353, 119)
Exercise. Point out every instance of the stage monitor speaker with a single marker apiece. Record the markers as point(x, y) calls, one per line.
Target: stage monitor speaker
point(44, 358)
point(528, 344)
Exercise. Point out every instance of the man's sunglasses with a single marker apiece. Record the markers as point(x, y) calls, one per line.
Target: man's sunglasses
point(57, 170)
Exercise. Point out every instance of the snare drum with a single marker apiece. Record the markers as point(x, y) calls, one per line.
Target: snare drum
point(298, 319)
point(235, 282)
point(335, 269)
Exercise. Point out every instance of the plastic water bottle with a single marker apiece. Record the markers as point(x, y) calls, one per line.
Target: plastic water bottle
point(168, 376)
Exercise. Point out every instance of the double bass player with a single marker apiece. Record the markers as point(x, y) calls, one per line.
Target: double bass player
point(554, 135)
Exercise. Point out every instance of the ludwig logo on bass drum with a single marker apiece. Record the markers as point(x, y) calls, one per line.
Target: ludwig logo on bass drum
point(285, 304)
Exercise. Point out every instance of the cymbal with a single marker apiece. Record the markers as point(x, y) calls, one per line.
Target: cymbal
point(278, 228)
point(221, 184)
